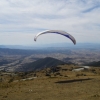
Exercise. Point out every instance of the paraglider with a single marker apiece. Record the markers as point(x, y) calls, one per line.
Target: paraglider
point(57, 32)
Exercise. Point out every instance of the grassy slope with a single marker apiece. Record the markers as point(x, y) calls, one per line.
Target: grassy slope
point(72, 87)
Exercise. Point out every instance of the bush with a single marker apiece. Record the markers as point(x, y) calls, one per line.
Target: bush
point(80, 74)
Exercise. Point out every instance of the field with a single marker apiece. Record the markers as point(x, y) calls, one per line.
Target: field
point(68, 85)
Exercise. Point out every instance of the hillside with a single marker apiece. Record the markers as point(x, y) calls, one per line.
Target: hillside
point(63, 84)
point(95, 64)
point(40, 64)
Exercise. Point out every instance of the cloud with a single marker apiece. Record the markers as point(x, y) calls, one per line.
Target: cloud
point(78, 17)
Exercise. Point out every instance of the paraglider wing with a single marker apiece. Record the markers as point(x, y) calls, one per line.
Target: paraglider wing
point(57, 32)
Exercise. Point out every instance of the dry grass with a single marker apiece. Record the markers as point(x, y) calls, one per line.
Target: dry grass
point(72, 87)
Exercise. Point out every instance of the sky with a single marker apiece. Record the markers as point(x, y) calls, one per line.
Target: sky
point(21, 20)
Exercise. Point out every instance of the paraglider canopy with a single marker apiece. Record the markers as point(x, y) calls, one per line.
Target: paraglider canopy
point(57, 32)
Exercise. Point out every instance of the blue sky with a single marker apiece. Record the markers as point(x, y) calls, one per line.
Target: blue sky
point(21, 20)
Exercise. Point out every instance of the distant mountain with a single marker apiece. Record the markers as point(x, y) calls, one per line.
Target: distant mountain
point(16, 47)
point(8, 51)
point(41, 64)
point(16, 51)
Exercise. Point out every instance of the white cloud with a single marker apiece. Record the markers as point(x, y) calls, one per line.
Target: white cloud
point(81, 18)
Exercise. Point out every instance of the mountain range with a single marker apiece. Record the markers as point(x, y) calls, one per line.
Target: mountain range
point(53, 45)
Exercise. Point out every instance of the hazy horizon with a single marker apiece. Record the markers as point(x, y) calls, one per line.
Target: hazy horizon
point(54, 46)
